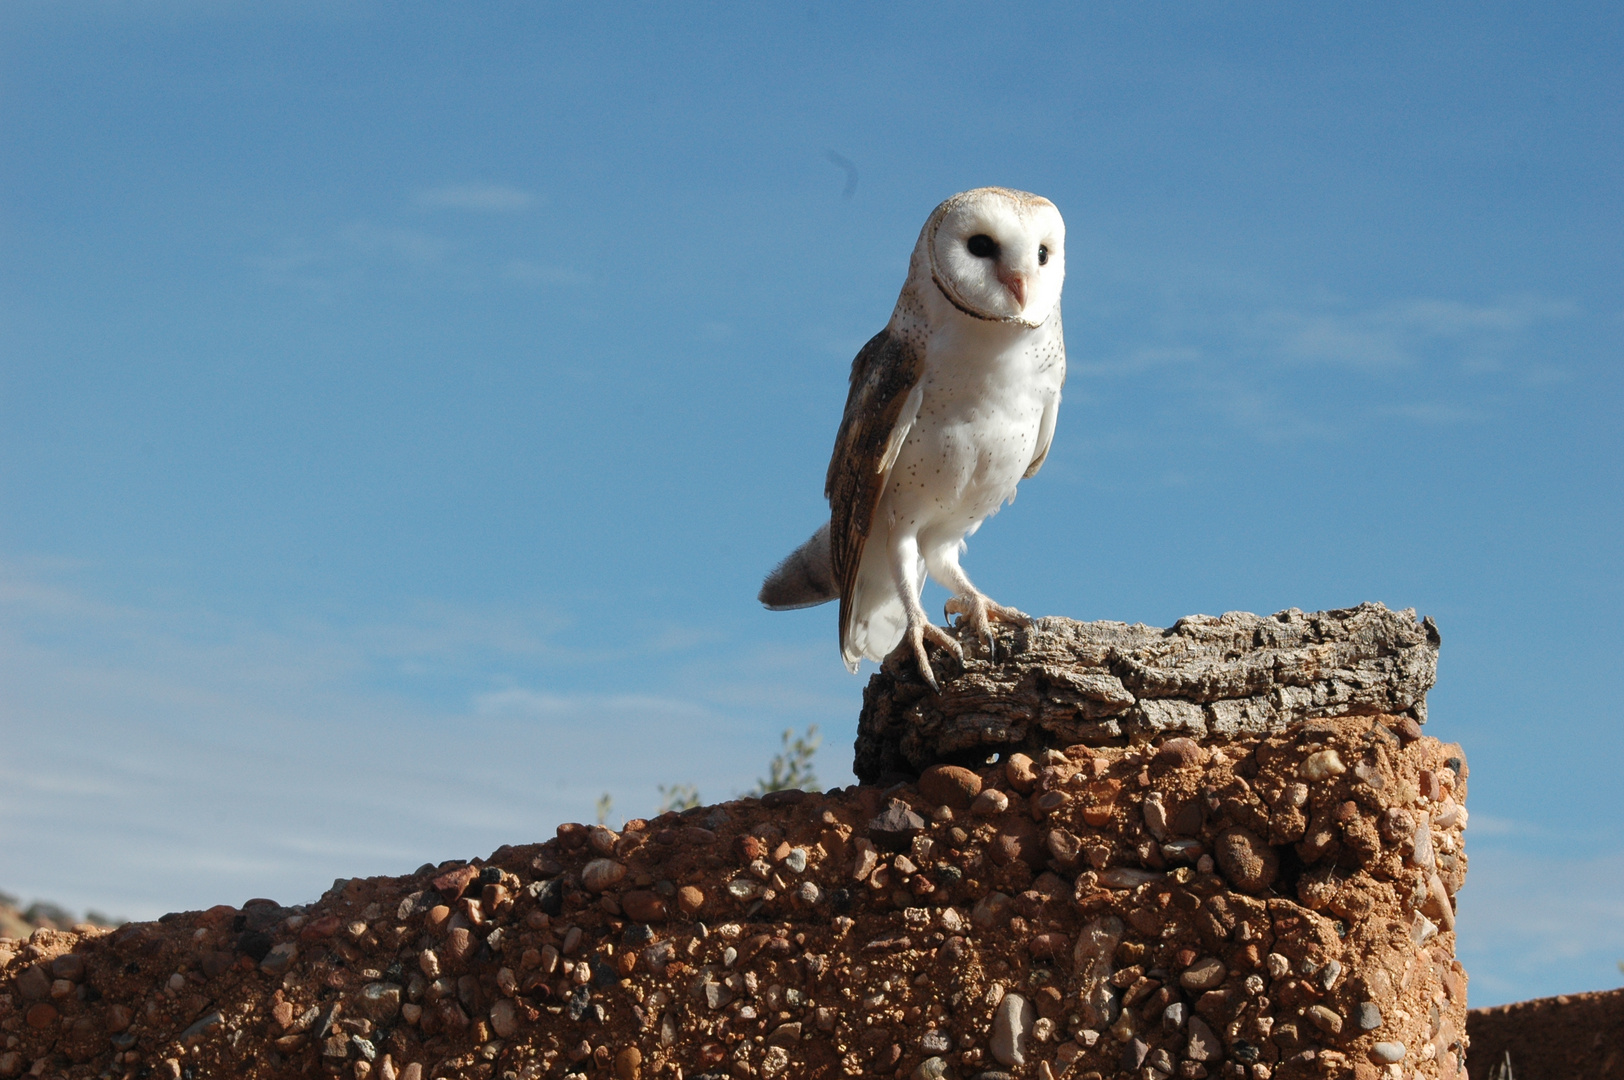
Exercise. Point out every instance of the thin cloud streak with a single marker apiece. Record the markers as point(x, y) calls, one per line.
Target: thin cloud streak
point(477, 198)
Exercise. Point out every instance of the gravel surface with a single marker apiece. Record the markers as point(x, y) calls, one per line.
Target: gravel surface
point(1278, 906)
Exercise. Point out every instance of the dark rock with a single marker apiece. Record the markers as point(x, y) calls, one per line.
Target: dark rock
point(895, 828)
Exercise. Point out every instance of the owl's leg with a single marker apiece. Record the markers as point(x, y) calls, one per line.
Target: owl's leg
point(976, 611)
point(905, 572)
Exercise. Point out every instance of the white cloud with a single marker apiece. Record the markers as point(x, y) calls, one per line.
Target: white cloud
point(1403, 332)
point(532, 272)
point(478, 198)
point(1533, 925)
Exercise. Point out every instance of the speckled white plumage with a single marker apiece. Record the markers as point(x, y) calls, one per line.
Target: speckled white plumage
point(951, 406)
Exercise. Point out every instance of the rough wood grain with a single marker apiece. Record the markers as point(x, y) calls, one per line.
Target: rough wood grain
point(1061, 682)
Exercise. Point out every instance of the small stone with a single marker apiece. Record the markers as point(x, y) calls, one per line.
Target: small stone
point(1178, 753)
point(1387, 1053)
point(809, 893)
point(1321, 765)
point(1202, 1044)
point(785, 1034)
point(429, 962)
point(1155, 812)
point(70, 966)
point(629, 1064)
point(1279, 966)
point(1325, 1019)
point(202, 1026)
point(600, 874)
point(1174, 1016)
point(990, 803)
point(41, 1016)
point(34, 984)
point(642, 905)
point(1368, 1015)
point(1134, 1054)
point(991, 910)
point(744, 889)
point(1250, 864)
point(936, 1041)
point(895, 827)
point(1011, 1029)
point(949, 785)
point(932, 1068)
point(504, 1021)
point(279, 959)
point(1048, 803)
point(690, 899)
point(1204, 974)
point(1019, 772)
point(451, 883)
point(795, 861)
point(378, 1001)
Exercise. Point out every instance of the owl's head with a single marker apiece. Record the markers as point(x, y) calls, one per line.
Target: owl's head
point(998, 254)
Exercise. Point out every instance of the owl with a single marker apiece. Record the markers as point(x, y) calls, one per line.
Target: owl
point(950, 406)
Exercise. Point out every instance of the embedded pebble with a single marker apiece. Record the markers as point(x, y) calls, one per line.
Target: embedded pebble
point(1204, 974)
point(1325, 1019)
point(1250, 864)
point(1011, 1029)
point(1368, 1015)
point(1322, 765)
point(600, 874)
point(1155, 812)
point(1387, 1053)
point(949, 785)
point(795, 861)
point(989, 803)
point(1202, 1044)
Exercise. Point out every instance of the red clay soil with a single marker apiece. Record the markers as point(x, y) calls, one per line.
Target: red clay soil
point(1560, 1038)
point(1099, 912)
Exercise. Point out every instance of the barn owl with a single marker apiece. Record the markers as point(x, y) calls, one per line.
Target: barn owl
point(950, 406)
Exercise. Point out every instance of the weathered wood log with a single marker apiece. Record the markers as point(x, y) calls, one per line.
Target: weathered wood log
point(1060, 683)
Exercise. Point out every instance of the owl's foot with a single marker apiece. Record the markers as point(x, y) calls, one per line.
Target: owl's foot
point(978, 613)
point(914, 638)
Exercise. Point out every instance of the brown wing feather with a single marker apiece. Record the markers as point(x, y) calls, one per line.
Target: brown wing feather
point(882, 375)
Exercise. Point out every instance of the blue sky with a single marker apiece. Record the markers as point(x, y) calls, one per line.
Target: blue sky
point(399, 404)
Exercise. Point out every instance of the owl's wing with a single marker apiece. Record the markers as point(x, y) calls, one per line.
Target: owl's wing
point(880, 409)
point(1051, 411)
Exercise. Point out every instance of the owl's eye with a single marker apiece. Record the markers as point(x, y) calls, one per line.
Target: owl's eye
point(1043, 254)
point(982, 246)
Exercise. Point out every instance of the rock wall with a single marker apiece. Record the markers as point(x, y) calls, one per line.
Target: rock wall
point(1557, 1038)
point(1277, 905)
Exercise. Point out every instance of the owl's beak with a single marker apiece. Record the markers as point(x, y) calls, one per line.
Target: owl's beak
point(1016, 284)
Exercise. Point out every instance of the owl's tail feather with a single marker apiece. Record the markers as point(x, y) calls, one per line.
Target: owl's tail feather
point(804, 579)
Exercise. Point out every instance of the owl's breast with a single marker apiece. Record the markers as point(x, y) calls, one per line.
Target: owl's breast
point(973, 440)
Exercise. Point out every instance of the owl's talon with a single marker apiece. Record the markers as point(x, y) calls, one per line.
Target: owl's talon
point(914, 638)
point(977, 614)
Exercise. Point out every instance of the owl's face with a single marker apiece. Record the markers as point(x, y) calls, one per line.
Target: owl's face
point(999, 254)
